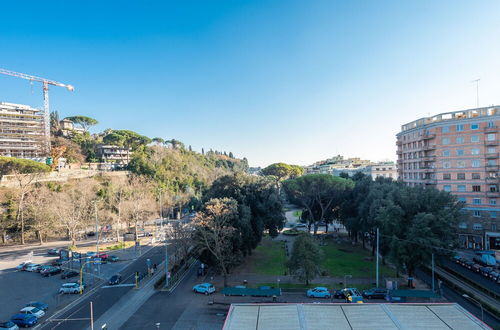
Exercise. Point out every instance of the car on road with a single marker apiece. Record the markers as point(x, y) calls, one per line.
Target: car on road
point(9, 325)
point(51, 271)
point(205, 288)
point(71, 287)
point(300, 225)
point(344, 293)
point(33, 267)
point(23, 265)
point(57, 263)
point(476, 268)
point(32, 311)
point(91, 254)
point(103, 255)
point(115, 279)
point(113, 258)
point(318, 292)
point(69, 274)
point(375, 293)
point(24, 320)
point(493, 275)
point(38, 304)
point(53, 252)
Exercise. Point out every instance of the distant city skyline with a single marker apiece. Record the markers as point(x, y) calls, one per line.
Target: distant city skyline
point(273, 81)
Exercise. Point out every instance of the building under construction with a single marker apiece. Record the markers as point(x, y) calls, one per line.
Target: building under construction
point(22, 131)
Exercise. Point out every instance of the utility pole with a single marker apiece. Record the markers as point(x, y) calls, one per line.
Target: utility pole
point(477, 91)
point(91, 317)
point(96, 229)
point(377, 256)
point(161, 210)
point(166, 262)
point(433, 272)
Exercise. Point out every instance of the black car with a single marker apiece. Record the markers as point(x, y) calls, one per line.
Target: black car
point(115, 279)
point(51, 271)
point(485, 271)
point(57, 263)
point(53, 252)
point(376, 293)
point(69, 274)
point(339, 294)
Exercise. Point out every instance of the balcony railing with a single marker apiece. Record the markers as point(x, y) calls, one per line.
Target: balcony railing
point(490, 142)
point(491, 155)
point(493, 129)
point(492, 179)
point(429, 158)
point(398, 143)
point(492, 168)
point(493, 193)
point(429, 147)
point(429, 136)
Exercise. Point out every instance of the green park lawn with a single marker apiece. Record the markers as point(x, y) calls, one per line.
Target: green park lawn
point(267, 259)
point(343, 259)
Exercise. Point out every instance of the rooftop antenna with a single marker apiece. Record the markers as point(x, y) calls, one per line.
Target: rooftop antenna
point(477, 90)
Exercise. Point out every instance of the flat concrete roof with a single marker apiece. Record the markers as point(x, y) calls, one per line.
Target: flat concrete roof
point(350, 317)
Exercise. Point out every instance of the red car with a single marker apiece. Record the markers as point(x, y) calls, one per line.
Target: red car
point(103, 255)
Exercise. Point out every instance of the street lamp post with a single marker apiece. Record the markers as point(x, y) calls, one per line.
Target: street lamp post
point(466, 296)
point(345, 280)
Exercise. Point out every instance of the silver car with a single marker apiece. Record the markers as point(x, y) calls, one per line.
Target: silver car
point(70, 288)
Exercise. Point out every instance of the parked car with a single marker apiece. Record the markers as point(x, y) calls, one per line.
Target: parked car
point(99, 261)
point(9, 325)
point(103, 255)
point(205, 288)
point(347, 292)
point(115, 279)
point(53, 252)
point(69, 274)
point(318, 292)
point(494, 276)
point(32, 311)
point(57, 263)
point(23, 265)
point(457, 259)
point(476, 268)
point(468, 264)
point(300, 225)
point(113, 258)
point(33, 267)
point(38, 304)
point(485, 271)
point(24, 320)
point(51, 271)
point(91, 254)
point(71, 287)
point(375, 293)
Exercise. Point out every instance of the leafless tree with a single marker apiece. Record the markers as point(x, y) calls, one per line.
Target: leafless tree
point(39, 212)
point(140, 204)
point(182, 235)
point(214, 232)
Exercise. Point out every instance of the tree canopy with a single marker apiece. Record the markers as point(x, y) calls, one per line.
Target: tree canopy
point(84, 121)
point(126, 138)
point(11, 165)
point(283, 171)
point(306, 258)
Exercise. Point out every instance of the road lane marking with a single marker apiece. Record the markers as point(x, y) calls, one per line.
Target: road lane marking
point(117, 286)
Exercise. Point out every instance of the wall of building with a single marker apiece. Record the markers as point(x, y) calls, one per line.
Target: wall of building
point(458, 152)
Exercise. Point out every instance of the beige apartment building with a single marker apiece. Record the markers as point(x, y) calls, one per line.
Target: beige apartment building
point(458, 152)
point(22, 131)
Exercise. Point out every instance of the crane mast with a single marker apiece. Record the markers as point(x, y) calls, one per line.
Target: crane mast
point(45, 83)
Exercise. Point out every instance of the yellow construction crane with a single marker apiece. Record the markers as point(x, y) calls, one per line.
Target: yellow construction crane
point(45, 83)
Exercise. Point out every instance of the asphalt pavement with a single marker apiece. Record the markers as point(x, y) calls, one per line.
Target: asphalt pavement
point(473, 276)
point(77, 316)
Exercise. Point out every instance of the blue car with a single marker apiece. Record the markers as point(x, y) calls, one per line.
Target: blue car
point(24, 320)
point(318, 292)
point(38, 304)
point(205, 288)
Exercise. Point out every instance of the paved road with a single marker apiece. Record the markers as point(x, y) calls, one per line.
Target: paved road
point(473, 276)
point(454, 296)
point(103, 298)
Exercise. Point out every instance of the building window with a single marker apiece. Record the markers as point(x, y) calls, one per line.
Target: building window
point(493, 214)
point(491, 150)
point(446, 176)
point(476, 163)
point(461, 188)
point(474, 126)
point(476, 201)
point(446, 164)
point(460, 176)
point(491, 137)
point(477, 226)
point(477, 213)
point(476, 176)
point(462, 225)
point(492, 162)
point(476, 188)
point(460, 163)
point(493, 188)
point(474, 138)
point(460, 128)
point(446, 140)
point(491, 124)
point(460, 140)
point(447, 188)
point(445, 129)
point(446, 153)
point(475, 151)
point(460, 152)
point(494, 227)
point(493, 202)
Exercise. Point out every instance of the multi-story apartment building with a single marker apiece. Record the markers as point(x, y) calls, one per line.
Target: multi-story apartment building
point(458, 152)
point(22, 131)
point(385, 170)
point(119, 156)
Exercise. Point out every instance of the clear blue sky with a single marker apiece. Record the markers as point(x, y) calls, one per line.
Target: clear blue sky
point(293, 81)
